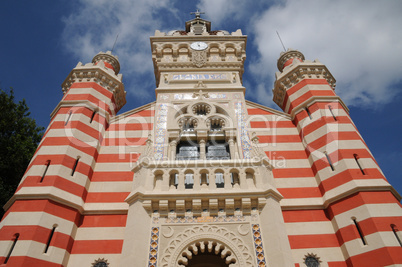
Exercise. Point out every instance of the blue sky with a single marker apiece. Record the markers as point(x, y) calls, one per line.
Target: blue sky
point(359, 41)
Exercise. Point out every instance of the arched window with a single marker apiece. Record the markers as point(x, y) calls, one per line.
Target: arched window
point(235, 180)
point(173, 180)
point(204, 178)
point(158, 179)
point(189, 181)
point(219, 179)
point(201, 109)
point(250, 178)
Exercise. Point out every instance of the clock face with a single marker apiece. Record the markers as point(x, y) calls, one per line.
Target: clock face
point(198, 45)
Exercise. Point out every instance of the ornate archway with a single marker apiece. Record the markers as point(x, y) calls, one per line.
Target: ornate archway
point(208, 241)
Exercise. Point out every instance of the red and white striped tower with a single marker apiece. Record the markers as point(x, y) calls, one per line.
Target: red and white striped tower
point(363, 207)
point(42, 217)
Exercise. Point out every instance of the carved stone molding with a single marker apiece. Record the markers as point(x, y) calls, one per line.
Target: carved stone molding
point(109, 58)
point(103, 77)
point(199, 58)
point(192, 239)
point(298, 73)
point(288, 55)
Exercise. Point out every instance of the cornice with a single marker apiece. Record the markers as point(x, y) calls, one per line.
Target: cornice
point(47, 196)
point(150, 162)
point(288, 55)
point(193, 38)
point(112, 60)
point(317, 99)
point(81, 103)
point(100, 75)
point(150, 198)
point(295, 73)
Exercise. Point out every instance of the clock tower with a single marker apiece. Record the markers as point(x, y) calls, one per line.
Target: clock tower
point(204, 187)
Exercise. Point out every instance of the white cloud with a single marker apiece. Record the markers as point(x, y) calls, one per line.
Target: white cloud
point(359, 41)
point(93, 27)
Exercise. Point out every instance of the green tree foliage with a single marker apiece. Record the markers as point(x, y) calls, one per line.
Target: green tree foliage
point(19, 138)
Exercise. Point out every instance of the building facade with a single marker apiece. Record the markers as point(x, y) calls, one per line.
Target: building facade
point(201, 176)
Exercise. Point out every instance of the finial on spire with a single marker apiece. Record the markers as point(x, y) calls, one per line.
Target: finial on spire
point(197, 14)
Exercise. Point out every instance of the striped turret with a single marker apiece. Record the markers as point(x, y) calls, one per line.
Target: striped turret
point(43, 215)
point(362, 206)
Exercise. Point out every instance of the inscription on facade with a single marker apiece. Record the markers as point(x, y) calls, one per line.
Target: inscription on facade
point(188, 77)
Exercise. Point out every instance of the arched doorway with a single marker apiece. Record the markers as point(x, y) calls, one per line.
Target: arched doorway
point(205, 246)
point(207, 254)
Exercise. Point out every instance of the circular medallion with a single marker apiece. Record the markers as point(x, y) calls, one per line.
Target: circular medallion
point(199, 46)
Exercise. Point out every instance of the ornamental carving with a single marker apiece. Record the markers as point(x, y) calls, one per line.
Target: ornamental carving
point(288, 55)
point(109, 58)
point(199, 58)
point(288, 80)
point(211, 237)
point(104, 78)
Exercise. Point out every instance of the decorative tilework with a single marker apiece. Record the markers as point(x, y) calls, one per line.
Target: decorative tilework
point(183, 96)
point(155, 217)
point(259, 249)
point(161, 122)
point(217, 96)
point(164, 97)
point(254, 214)
point(191, 96)
point(192, 219)
point(153, 247)
point(185, 77)
point(242, 126)
point(236, 96)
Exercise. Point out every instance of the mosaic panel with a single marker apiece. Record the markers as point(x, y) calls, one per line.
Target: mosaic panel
point(163, 97)
point(155, 217)
point(258, 247)
point(203, 219)
point(217, 96)
point(242, 126)
point(160, 131)
point(153, 247)
point(183, 96)
point(186, 77)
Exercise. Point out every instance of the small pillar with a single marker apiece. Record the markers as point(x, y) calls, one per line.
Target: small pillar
point(172, 149)
point(202, 149)
point(181, 186)
point(232, 148)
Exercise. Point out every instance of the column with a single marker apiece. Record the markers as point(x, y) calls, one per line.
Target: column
point(232, 148)
point(173, 147)
point(180, 186)
point(202, 149)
